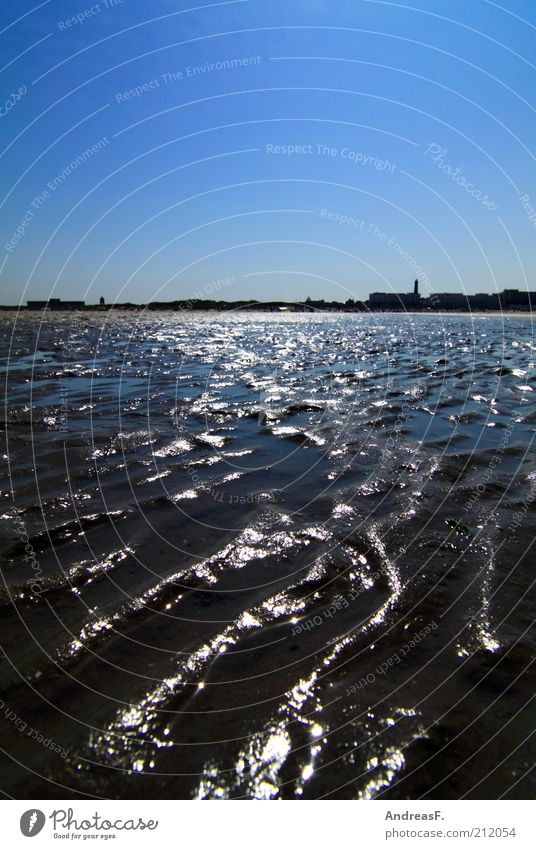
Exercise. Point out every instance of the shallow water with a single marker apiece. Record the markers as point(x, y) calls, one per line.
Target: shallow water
point(268, 556)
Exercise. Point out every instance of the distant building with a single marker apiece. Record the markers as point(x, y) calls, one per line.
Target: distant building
point(514, 299)
point(450, 301)
point(483, 301)
point(509, 299)
point(391, 300)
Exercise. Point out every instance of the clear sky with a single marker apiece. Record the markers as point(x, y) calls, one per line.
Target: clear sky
point(282, 149)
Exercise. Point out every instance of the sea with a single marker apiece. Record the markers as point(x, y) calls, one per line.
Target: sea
point(257, 555)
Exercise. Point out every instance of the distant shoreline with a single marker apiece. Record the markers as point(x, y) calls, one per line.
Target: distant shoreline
point(510, 300)
point(287, 309)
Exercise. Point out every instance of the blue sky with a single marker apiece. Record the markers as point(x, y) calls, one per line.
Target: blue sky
point(304, 148)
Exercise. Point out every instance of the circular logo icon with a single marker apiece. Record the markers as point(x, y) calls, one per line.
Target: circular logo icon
point(31, 822)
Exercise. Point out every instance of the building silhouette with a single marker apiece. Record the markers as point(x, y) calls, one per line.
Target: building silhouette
point(508, 299)
point(392, 300)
